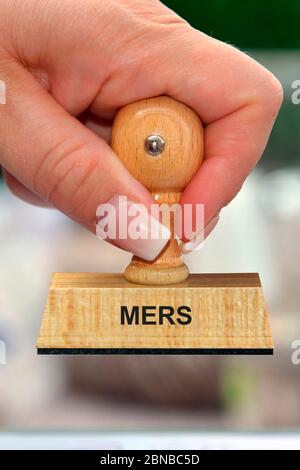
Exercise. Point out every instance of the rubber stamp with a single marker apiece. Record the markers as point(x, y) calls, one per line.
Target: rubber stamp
point(157, 307)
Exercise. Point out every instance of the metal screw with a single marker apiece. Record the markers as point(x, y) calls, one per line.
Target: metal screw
point(154, 145)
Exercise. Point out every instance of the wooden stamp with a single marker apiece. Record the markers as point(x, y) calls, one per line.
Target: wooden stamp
point(156, 307)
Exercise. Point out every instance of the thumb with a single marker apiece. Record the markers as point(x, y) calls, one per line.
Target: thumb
point(62, 161)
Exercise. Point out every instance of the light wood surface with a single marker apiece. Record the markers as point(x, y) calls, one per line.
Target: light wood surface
point(86, 280)
point(165, 175)
point(83, 311)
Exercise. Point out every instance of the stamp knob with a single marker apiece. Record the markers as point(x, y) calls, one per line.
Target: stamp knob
point(160, 141)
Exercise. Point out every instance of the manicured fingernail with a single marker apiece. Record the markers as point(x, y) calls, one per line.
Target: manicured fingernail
point(130, 226)
point(195, 244)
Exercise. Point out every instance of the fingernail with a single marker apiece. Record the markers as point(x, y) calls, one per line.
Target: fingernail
point(130, 226)
point(195, 244)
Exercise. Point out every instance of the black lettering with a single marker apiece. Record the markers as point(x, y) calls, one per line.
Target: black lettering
point(181, 313)
point(168, 314)
point(146, 315)
point(127, 317)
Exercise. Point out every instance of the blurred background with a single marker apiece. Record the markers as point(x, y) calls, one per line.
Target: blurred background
point(258, 232)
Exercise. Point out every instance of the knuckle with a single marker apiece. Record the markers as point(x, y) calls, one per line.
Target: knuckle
point(271, 93)
point(63, 177)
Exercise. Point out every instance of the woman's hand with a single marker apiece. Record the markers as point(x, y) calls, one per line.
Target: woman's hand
point(68, 65)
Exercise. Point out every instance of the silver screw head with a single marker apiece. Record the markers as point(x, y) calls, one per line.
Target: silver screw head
point(154, 145)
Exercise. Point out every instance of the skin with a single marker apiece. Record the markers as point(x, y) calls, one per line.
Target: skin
point(70, 64)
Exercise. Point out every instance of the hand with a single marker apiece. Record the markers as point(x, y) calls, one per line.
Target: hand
point(69, 65)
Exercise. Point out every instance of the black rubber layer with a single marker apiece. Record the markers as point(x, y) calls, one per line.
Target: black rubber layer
point(130, 351)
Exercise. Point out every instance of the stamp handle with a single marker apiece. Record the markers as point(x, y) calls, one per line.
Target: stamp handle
point(160, 141)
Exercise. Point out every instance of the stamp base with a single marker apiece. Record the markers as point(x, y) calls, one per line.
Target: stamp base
point(82, 316)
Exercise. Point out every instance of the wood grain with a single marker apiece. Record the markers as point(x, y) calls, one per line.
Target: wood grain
point(83, 312)
point(165, 175)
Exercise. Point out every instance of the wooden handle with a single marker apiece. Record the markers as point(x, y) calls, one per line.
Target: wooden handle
point(160, 141)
